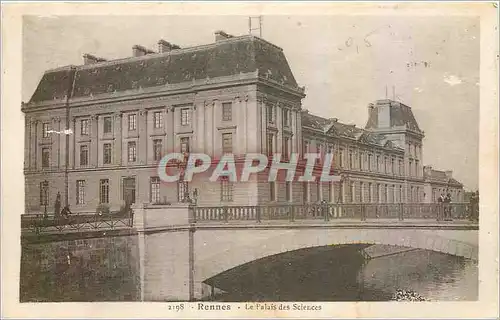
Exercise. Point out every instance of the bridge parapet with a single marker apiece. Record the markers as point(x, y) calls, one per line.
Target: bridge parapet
point(150, 217)
point(328, 211)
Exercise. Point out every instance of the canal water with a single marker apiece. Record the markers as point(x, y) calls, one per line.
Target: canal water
point(341, 273)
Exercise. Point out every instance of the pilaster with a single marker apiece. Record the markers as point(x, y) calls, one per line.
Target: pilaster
point(118, 140)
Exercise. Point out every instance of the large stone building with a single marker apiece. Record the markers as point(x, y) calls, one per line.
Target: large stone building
point(236, 95)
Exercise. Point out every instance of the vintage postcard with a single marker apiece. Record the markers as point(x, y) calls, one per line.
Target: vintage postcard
point(257, 160)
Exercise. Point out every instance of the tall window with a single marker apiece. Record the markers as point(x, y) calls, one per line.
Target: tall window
point(270, 144)
point(132, 122)
point(370, 162)
point(84, 155)
point(318, 190)
point(84, 127)
point(155, 189)
point(378, 164)
point(227, 111)
point(107, 125)
point(410, 168)
point(183, 190)
point(351, 160)
point(386, 165)
point(400, 170)
point(272, 191)
point(369, 194)
point(288, 190)
point(386, 193)
point(305, 148)
point(361, 155)
point(157, 149)
point(104, 191)
point(226, 190)
point(353, 192)
point(184, 145)
point(286, 151)
point(401, 198)
point(417, 169)
point(286, 118)
point(45, 130)
point(106, 153)
point(227, 143)
point(158, 119)
point(341, 157)
point(132, 151)
point(362, 191)
point(80, 191)
point(270, 114)
point(305, 192)
point(330, 192)
point(185, 117)
point(44, 193)
point(45, 157)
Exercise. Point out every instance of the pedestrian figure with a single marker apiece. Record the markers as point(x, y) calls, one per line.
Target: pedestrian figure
point(440, 207)
point(447, 207)
point(57, 205)
point(66, 212)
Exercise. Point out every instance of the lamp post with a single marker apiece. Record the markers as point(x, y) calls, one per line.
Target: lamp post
point(45, 197)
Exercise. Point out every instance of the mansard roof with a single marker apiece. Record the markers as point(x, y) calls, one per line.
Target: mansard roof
point(234, 56)
point(338, 129)
point(440, 176)
point(400, 115)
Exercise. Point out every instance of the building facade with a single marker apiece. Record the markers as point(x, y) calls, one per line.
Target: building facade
point(237, 95)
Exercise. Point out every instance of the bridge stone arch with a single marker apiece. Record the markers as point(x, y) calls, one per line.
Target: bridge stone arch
point(217, 251)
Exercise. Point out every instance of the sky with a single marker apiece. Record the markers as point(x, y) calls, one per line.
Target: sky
point(430, 63)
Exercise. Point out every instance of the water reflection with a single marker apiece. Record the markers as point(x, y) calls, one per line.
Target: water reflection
point(340, 273)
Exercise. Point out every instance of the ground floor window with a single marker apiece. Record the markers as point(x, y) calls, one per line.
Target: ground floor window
point(226, 189)
point(104, 191)
point(183, 190)
point(80, 191)
point(155, 190)
point(272, 191)
point(44, 193)
point(288, 190)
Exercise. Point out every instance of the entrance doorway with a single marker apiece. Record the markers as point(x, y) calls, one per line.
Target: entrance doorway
point(129, 190)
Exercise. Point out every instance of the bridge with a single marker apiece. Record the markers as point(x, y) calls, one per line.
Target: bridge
point(175, 251)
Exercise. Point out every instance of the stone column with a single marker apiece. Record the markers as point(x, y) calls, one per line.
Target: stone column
point(143, 139)
point(244, 104)
point(262, 102)
point(54, 138)
point(194, 125)
point(117, 137)
point(215, 150)
point(279, 126)
point(72, 147)
point(239, 120)
point(32, 145)
point(36, 139)
point(170, 131)
point(293, 120)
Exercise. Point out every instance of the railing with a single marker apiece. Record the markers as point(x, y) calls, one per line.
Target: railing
point(39, 223)
point(362, 211)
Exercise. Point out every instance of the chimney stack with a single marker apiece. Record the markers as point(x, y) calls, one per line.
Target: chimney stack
point(221, 35)
point(164, 46)
point(427, 171)
point(449, 174)
point(138, 51)
point(90, 59)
